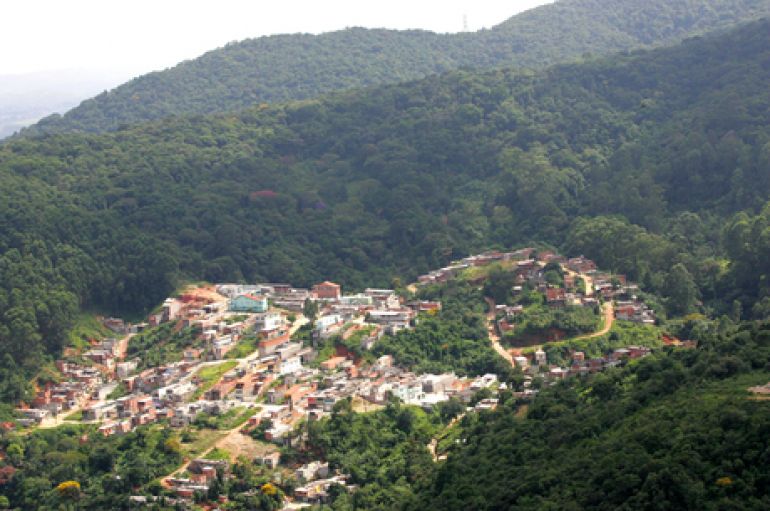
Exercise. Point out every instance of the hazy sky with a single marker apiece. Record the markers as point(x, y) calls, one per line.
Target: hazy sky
point(137, 36)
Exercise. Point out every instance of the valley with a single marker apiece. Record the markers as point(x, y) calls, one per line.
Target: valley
point(522, 268)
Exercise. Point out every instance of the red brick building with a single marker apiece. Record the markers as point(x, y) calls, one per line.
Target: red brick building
point(327, 291)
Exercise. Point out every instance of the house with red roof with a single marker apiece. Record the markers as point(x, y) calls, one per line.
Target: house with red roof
point(327, 291)
point(556, 296)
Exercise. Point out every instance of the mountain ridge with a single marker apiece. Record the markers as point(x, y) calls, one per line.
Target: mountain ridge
point(302, 66)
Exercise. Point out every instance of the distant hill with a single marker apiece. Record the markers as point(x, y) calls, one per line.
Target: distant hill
point(27, 98)
point(291, 67)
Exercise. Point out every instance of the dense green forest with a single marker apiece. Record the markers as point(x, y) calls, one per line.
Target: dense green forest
point(302, 66)
point(677, 430)
point(384, 452)
point(73, 467)
point(654, 163)
point(105, 470)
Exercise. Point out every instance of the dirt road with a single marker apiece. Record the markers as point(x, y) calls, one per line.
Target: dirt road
point(434, 441)
point(232, 440)
point(609, 318)
point(123, 346)
point(492, 332)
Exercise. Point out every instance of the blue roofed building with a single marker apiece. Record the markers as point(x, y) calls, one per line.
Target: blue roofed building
point(249, 303)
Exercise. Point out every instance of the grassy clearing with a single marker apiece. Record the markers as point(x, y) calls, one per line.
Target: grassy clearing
point(475, 273)
point(245, 347)
point(231, 419)
point(210, 375)
point(217, 454)
point(241, 418)
point(86, 327)
point(360, 405)
point(74, 416)
point(119, 391)
point(203, 440)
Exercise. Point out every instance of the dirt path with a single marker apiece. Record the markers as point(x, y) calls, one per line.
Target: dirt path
point(434, 441)
point(123, 346)
point(239, 444)
point(589, 281)
point(609, 319)
point(492, 332)
point(226, 441)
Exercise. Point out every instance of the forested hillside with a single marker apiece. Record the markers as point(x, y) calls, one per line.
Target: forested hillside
point(291, 67)
point(638, 161)
point(674, 431)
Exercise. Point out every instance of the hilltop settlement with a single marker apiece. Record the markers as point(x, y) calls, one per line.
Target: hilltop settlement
point(261, 353)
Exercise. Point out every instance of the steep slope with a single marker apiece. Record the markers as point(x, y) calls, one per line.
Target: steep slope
point(673, 431)
point(366, 185)
point(291, 67)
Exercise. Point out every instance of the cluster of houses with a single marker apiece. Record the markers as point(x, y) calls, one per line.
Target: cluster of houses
point(220, 325)
point(314, 392)
point(536, 364)
point(317, 491)
point(529, 267)
point(280, 372)
point(634, 310)
point(79, 384)
point(199, 475)
point(381, 308)
point(451, 271)
point(124, 414)
point(166, 392)
point(628, 306)
point(162, 393)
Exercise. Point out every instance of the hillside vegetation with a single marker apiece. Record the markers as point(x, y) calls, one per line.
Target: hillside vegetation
point(654, 164)
point(301, 66)
point(675, 431)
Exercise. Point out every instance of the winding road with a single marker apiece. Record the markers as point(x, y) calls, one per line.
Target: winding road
point(609, 318)
point(494, 338)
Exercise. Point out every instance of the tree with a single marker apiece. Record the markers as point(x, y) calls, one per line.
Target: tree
point(69, 490)
point(310, 309)
point(15, 453)
point(498, 284)
point(737, 311)
point(681, 290)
